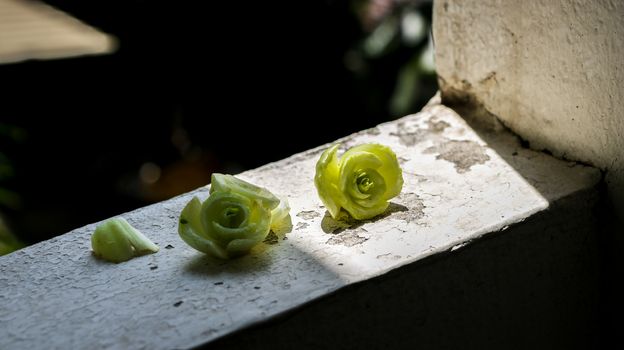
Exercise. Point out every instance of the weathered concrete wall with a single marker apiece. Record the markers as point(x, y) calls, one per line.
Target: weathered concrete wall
point(552, 71)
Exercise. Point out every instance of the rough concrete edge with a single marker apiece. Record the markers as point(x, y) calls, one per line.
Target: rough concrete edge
point(469, 106)
point(479, 119)
point(204, 189)
point(461, 99)
point(429, 257)
point(465, 102)
point(591, 194)
point(474, 109)
point(477, 116)
point(443, 252)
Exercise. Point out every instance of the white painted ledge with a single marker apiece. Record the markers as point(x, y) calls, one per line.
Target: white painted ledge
point(457, 189)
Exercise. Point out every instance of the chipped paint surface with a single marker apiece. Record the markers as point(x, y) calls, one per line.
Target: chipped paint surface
point(56, 292)
point(551, 71)
point(308, 214)
point(464, 154)
point(349, 238)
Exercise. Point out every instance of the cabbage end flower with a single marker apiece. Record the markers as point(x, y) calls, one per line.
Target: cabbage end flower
point(361, 182)
point(233, 219)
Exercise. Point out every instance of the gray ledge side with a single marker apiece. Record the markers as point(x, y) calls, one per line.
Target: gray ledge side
point(461, 187)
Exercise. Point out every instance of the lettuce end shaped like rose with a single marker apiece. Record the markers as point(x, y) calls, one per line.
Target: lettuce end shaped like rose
point(360, 182)
point(236, 216)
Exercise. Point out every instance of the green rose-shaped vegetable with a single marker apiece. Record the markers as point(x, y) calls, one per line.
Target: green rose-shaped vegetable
point(361, 182)
point(236, 216)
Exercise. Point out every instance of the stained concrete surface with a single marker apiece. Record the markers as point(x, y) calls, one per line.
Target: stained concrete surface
point(423, 263)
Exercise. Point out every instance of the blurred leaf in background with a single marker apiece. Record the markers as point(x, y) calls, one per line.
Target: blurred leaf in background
point(10, 135)
point(8, 242)
point(396, 39)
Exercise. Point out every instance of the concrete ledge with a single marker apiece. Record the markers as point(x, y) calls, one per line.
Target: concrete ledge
point(532, 286)
point(413, 271)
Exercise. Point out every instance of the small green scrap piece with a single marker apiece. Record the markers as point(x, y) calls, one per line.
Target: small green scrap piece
point(117, 241)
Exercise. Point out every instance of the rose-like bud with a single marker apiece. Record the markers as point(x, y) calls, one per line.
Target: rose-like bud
point(236, 216)
point(361, 181)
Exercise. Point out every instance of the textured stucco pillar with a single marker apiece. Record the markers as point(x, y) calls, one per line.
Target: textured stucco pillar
point(552, 71)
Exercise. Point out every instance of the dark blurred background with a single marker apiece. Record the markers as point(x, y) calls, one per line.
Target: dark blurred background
point(195, 89)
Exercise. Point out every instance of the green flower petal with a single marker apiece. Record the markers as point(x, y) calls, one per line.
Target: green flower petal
point(367, 187)
point(240, 247)
point(326, 181)
point(279, 215)
point(389, 169)
point(192, 232)
point(252, 220)
point(229, 183)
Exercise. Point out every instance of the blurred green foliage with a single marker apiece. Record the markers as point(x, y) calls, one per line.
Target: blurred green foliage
point(8, 242)
point(9, 134)
point(397, 32)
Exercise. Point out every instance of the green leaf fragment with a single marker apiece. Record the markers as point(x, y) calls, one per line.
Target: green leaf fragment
point(326, 180)
point(280, 215)
point(117, 241)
